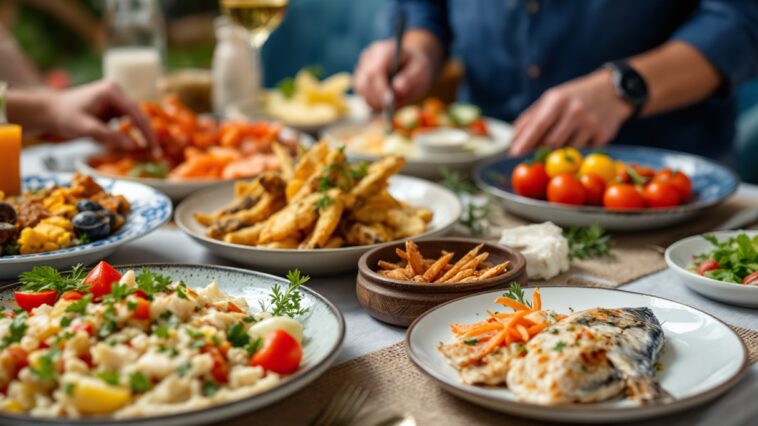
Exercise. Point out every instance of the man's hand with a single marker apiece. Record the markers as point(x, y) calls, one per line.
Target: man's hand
point(580, 113)
point(420, 60)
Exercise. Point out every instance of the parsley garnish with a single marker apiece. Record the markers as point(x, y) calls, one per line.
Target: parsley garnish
point(588, 242)
point(69, 388)
point(516, 293)
point(254, 346)
point(80, 306)
point(139, 383)
point(181, 293)
point(131, 305)
point(287, 302)
point(43, 278)
point(119, 292)
point(45, 370)
point(110, 377)
point(183, 369)
point(15, 331)
point(237, 336)
point(559, 346)
point(209, 388)
point(151, 283)
point(471, 341)
point(358, 172)
point(66, 321)
point(195, 334)
point(161, 330)
point(324, 202)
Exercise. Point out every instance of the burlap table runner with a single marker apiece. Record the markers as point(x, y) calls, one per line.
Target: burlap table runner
point(633, 254)
point(397, 385)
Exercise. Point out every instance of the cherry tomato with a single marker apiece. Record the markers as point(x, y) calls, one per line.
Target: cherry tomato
point(280, 353)
point(428, 118)
point(29, 301)
point(142, 311)
point(661, 195)
point(707, 265)
point(479, 127)
point(530, 180)
point(594, 187)
point(101, 279)
point(72, 295)
point(19, 358)
point(621, 174)
point(678, 179)
point(644, 171)
point(563, 161)
point(566, 189)
point(623, 197)
point(220, 369)
point(751, 279)
point(600, 165)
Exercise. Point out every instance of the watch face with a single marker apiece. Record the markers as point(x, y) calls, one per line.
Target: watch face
point(633, 85)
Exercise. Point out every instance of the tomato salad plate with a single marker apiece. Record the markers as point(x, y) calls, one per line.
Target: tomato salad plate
point(582, 355)
point(719, 265)
point(61, 220)
point(621, 188)
point(158, 344)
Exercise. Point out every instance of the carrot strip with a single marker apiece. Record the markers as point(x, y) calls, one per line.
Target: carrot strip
point(511, 304)
point(522, 332)
point(536, 300)
point(536, 329)
point(483, 329)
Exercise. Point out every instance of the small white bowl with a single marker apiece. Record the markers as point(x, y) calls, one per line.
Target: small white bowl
point(445, 140)
point(679, 258)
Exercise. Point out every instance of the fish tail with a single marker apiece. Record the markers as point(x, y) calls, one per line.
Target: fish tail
point(646, 389)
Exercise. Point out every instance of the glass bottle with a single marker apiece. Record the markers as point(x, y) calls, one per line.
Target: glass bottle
point(234, 71)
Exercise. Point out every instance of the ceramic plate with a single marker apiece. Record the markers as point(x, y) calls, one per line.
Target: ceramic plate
point(149, 210)
point(443, 203)
point(177, 190)
point(679, 259)
point(429, 166)
point(711, 184)
point(702, 357)
point(358, 112)
point(323, 328)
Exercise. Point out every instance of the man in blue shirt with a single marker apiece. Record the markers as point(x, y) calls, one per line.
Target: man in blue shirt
point(582, 73)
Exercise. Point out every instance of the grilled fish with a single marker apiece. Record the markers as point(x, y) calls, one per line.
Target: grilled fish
point(591, 356)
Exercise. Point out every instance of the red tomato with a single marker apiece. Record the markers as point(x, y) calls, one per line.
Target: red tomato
point(220, 369)
point(594, 187)
point(29, 301)
point(142, 311)
point(82, 326)
point(679, 180)
point(428, 118)
point(707, 265)
point(18, 356)
point(101, 279)
point(661, 195)
point(623, 197)
point(644, 171)
point(479, 127)
point(140, 293)
point(530, 180)
point(566, 189)
point(232, 307)
point(72, 295)
point(751, 279)
point(280, 353)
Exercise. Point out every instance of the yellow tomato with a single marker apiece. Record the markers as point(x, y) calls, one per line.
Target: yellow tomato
point(92, 396)
point(563, 161)
point(599, 164)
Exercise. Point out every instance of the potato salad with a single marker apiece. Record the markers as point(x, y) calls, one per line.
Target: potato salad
point(139, 344)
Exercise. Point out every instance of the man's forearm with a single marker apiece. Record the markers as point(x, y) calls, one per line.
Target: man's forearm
point(677, 75)
point(26, 108)
point(427, 42)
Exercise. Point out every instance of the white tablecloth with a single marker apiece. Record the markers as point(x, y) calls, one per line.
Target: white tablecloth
point(364, 334)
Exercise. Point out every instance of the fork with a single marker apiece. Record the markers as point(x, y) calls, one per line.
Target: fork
point(343, 407)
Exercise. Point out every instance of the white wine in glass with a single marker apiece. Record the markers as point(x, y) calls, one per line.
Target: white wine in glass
point(258, 17)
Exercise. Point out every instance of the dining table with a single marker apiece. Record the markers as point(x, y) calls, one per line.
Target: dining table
point(365, 334)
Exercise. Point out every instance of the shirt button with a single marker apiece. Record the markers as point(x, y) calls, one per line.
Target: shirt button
point(533, 6)
point(533, 72)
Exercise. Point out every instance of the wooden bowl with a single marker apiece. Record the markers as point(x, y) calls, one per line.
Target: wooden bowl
point(400, 302)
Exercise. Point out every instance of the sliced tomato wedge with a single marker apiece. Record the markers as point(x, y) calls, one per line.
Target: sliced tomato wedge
point(142, 311)
point(220, 369)
point(280, 353)
point(29, 301)
point(72, 295)
point(751, 280)
point(232, 307)
point(101, 278)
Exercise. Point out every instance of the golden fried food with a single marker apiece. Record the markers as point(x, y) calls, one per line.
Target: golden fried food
point(414, 267)
point(320, 202)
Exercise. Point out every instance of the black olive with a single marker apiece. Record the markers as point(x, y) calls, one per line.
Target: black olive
point(88, 206)
point(7, 213)
point(109, 214)
point(8, 232)
point(95, 226)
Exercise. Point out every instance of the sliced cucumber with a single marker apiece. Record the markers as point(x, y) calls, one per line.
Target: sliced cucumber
point(464, 114)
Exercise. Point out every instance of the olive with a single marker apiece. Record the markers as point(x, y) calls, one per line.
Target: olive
point(95, 226)
point(7, 213)
point(88, 206)
point(109, 214)
point(8, 232)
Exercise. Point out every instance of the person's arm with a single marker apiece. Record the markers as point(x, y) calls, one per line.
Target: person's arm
point(424, 51)
point(717, 47)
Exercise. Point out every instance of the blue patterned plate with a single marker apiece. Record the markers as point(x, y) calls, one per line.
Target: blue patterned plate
point(711, 184)
point(149, 210)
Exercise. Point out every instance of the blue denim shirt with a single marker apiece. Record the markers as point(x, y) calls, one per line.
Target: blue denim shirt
point(514, 50)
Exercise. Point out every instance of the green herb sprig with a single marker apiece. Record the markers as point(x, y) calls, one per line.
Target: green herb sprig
point(45, 278)
point(516, 293)
point(588, 242)
point(287, 302)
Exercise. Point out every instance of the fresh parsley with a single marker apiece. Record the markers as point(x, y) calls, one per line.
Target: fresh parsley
point(110, 377)
point(80, 306)
point(237, 336)
point(15, 331)
point(287, 302)
point(44, 278)
point(151, 283)
point(516, 293)
point(69, 388)
point(471, 341)
point(560, 346)
point(358, 172)
point(209, 388)
point(324, 202)
point(183, 369)
point(254, 346)
point(139, 383)
point(588, 242)
point(45, 369)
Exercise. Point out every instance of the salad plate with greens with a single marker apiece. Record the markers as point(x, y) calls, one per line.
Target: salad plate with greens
point(719, 265)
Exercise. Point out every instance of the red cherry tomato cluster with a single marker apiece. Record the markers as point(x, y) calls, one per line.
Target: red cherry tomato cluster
point(563, 176)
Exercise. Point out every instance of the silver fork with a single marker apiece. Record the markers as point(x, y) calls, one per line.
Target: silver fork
point(343, 407)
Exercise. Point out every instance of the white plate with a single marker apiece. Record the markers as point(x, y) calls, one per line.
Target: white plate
point(679, 259)
point(177, 190)
point(444, 204)
point(358, 112)
point(702, 357)
point(501, 134)
point(323, 328)
point(149, 210)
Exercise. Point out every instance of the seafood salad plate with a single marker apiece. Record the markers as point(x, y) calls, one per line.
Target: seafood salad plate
point(577, 354)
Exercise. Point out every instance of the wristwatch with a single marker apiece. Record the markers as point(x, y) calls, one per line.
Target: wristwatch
point(629, 85)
